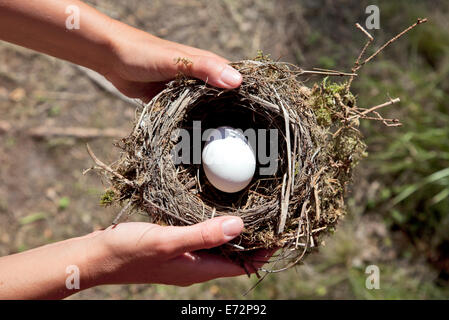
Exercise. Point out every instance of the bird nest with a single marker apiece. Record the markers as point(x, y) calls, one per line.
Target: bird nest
point(291, 207)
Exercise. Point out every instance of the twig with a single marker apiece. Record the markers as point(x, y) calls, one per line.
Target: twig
point(284, 205)
point(306, 246)
point(303, 210)
point(379, 118)
point(317, 203)
point(331, 71)
point(362, 52)
point(418, 22)
point(312, 242)
point(285, 196)
point(145, 110)
point(124, 209)
point(392, 101)
point(364, 31)
point(328, 73)
point(315, 193)
point(197, 177)
point(235, 246)
point(107, 168)
point(387, 122)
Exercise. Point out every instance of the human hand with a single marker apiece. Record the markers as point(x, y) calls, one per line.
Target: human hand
point(133, 252)
point(137, 63)
point(143, 63)
point(138, 252)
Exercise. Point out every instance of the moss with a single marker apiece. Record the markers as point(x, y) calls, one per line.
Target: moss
point(107, 198)
point(261, 56)
point(342, 149)
point(333, 88)
point(296, 168)
point(349, 146)
point(323, 117)
point(327, 100)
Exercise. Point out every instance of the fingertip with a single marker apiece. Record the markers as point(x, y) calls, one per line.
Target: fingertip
point(205, 235)
point(216, 72)
point(230, 77)
point(232, 227)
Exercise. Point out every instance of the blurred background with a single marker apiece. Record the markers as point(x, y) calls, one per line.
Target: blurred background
point(399, 200)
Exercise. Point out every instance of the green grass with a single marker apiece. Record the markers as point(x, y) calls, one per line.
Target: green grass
point(411, 163)
point(63, 203)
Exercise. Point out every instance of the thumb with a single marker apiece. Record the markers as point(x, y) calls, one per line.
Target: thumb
point(212, 70)
point(204, 235)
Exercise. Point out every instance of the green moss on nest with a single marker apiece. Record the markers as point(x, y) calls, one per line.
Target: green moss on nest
point(107, 198)
point(262, 57)
point(343, 147)
point(349, 147)
point(329, 100)
point(323, 116)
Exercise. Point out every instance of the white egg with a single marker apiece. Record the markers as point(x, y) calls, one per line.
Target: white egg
point(228, 160)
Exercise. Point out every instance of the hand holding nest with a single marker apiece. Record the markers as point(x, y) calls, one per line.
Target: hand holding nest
point(148, 253)
point(138, 64)
point(142, 64)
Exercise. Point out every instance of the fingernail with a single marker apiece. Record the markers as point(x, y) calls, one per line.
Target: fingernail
point(230, 76)
point(232, 227)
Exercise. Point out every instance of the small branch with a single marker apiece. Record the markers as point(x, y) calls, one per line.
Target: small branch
point(107, 168)
point(387, 122)
point(300, 224)
point(315, 193)
point(124, 209)
point(361, 54)
point(317, 203)
point(358, 64)
point(235, 246)
point(418, 22)
point(392, 101)
point(329, 73)
point(381, 119)
point(364, 31)
point(286, 185)
point(284, 206)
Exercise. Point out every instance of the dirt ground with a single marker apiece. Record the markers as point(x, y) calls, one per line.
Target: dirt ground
point(44, 196)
